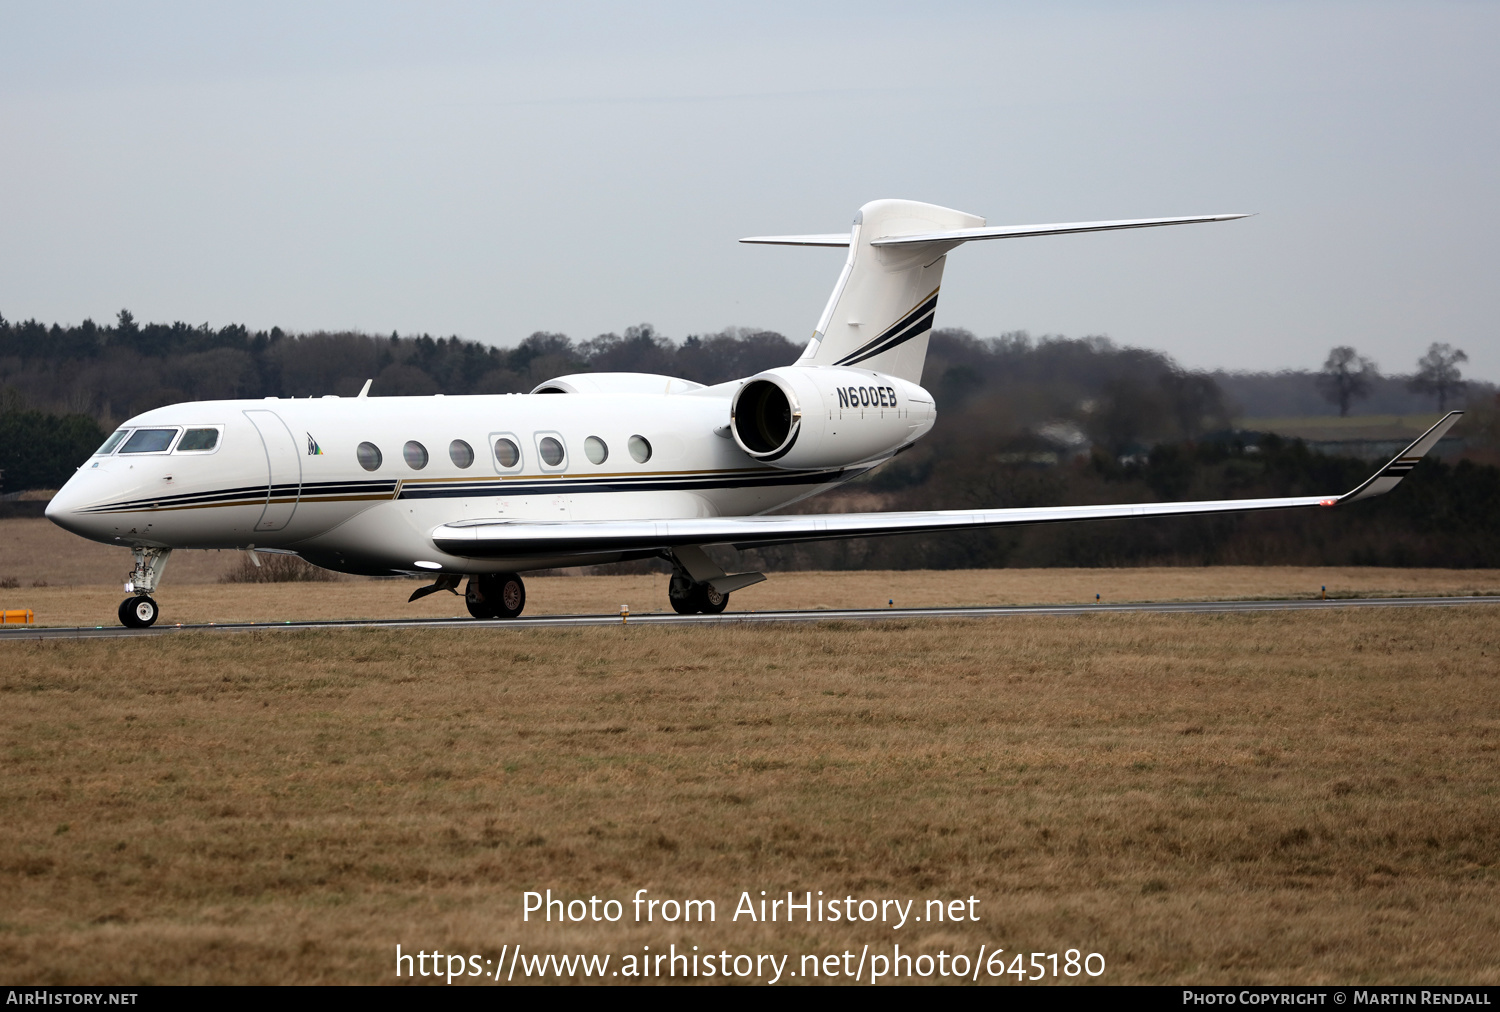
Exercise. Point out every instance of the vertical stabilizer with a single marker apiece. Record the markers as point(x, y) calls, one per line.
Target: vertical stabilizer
point(880, 313)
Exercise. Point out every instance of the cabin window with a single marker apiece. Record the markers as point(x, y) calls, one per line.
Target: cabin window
point(551, 449)
point(507, 453)
point(640, 450)
point(595, 450)
point(112, 442)
point(198, 439)
point(149, 441)
point(369, 456)
point(415, 454)
point(461, 453)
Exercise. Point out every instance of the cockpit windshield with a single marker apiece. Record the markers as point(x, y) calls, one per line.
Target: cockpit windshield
point(112, 442)
point(149, 441)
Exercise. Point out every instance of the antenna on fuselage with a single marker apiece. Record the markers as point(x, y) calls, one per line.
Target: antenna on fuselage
point(365, 390)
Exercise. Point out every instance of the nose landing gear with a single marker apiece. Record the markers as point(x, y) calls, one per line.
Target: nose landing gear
point(495, 595)
point(140, 611)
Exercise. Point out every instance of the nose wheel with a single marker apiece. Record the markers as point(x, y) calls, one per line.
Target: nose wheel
point(138, 612)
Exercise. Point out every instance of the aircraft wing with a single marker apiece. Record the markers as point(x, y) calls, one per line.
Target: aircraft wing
point(497, 538)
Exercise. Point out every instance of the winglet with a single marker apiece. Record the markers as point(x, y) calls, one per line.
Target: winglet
point(1390, 476)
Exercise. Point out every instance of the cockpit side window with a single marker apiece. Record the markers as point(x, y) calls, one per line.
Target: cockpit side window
point(198, 441)
point(112, 442)
point(149, 441)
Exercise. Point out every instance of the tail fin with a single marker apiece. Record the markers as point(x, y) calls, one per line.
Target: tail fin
point(880, 313)
point(881, 310)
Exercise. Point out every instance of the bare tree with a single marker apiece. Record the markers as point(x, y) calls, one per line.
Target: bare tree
point(1346, 377)
point(1437, 373)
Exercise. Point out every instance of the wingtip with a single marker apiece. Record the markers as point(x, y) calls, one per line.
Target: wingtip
point(1390, 476)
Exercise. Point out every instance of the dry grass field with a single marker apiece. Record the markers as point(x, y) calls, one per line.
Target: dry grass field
point(1236, 798)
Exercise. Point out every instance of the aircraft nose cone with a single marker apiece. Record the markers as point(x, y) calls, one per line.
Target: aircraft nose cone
point(63, 510)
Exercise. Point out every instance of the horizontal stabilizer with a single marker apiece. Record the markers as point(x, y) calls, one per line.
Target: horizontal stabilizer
point(831, 239)
point(961, 235)
point(1021, 231)
point(505, 538)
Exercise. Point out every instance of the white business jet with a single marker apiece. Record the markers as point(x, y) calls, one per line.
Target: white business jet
point(589, 468)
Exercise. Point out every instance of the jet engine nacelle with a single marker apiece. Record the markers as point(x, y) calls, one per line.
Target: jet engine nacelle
point(827, 416)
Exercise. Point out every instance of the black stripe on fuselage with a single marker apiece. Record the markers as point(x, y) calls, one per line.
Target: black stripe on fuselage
point(249, 495)
point(560, 484)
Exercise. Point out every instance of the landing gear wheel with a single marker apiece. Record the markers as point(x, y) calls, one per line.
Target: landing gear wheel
point(712, 602)
point(138, 612)
point(689, 598)
point(478, 602)
point(495, 595)
point(680, 595)
point(511, 598)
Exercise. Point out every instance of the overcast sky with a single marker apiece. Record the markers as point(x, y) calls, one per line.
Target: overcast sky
point(491, 170)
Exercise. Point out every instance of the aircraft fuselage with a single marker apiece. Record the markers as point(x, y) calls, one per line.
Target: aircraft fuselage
point(291, 474)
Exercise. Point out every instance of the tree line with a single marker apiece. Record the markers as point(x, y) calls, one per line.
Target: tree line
point(1021, 421)
point(113, 372)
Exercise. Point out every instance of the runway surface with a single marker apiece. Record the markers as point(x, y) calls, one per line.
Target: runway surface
point(32, 633)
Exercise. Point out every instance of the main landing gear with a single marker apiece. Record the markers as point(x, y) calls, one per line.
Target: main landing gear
point(699, 586)
point(495, 595)
point(689, 597)
point(140, 611)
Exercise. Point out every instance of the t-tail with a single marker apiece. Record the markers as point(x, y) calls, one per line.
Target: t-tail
point(881, 312)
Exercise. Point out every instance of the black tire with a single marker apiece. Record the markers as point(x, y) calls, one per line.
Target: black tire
point(138, 612)
point(711, 602)
point(680, 594)
point(689, 598)
point(479, 603)
point(495, 595)
point(510, 596)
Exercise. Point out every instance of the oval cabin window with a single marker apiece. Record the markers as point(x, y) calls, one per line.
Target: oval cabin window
point(551, 450)
point(507, 453)
point(595, 450)
point(640, 450)
point(461, 453)
point(369, 456)
point(415, 454)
